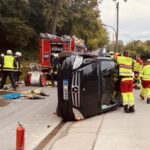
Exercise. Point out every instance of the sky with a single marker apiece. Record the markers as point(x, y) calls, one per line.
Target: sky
point(134, 19)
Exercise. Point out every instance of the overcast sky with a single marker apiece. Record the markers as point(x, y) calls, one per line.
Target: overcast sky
point(134, 19)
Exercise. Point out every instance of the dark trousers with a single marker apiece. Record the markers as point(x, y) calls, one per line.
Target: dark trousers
point(4, 77)
point(16, 76)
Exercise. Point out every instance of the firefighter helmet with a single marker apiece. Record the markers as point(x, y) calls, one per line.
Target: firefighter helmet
point(148, 60)
point(9, 52)
point(18, 54)
point(2, 55)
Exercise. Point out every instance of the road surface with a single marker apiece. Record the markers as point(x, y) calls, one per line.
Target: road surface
point(37, 116)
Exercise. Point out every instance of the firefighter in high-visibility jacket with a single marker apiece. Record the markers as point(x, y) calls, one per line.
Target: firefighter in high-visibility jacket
point(138, 65)
point(8, 66)
point(125, 64)
point(145, 76)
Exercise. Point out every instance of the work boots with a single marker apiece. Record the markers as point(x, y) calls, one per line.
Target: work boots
point(126, 108)
point(131, 109)
point(148, 101)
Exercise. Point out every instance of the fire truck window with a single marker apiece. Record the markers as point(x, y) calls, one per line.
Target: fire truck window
point(107, 84)
point(56, 48)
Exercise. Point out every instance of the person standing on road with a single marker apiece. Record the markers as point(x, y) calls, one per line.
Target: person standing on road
point(138, 65)
point(1, 61)
point(8, 66)
point(125, 64)
point(145, 75)
point(18, 57)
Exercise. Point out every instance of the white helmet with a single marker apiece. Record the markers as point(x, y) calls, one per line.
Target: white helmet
point(18, 54)
point(2, 55)
point(9, 52)
point(56, 55)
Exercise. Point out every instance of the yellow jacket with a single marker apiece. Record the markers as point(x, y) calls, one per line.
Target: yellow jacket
point(125, 66)
point(145, 73)
point(8, 62)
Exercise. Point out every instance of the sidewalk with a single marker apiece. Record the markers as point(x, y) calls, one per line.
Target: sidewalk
point(114, 130)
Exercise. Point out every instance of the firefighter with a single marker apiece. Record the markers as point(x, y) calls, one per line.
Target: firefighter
point(117, 80)
point(18, 58)
point(52, 70)
point(8, 66)
point(1, 61)
point(138, 65)
point(145, 75)
point(125, 64)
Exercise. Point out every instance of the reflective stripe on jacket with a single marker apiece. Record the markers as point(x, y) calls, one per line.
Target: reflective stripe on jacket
point(145, 73)
point(125, 66)
point(8, 62)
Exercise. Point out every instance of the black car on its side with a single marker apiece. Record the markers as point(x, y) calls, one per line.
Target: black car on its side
point(86, 86)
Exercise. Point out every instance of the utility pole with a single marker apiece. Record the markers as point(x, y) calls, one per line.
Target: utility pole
point(117, 26)
point(117, 23)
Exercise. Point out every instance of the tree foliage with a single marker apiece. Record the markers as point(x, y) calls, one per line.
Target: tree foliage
point(139, 48)
point(21, 21)
point(84, 21)
point(14, 28)
point(15, 33)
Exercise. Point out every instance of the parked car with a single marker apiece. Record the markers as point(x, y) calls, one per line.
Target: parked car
point(86, 86)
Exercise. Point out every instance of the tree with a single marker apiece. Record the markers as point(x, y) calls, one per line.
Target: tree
point(139, 48)
point(15, 34)
point(84, 21)
point(53, 21)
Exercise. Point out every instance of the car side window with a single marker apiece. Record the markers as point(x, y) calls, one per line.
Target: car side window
point(107, 83)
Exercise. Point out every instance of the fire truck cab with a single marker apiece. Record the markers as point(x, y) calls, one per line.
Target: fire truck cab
point(50, 47)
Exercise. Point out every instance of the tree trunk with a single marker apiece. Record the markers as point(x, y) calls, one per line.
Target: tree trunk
point(53, 23)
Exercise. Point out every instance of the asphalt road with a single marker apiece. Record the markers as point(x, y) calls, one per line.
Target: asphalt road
point(39, 119)
point(114, 130)
point(37, 116)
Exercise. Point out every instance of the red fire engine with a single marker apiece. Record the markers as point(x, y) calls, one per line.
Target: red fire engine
point(73, 44)
point(52, 45)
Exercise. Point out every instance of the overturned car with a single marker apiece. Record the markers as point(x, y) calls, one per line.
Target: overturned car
point(86, 86)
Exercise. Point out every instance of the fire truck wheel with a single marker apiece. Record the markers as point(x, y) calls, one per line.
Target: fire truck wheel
point(27, 80)
point(42, 80)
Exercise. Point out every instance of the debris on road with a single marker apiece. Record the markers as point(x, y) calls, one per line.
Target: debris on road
point(34, 96)
point(9, 96)
point(39, 92)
